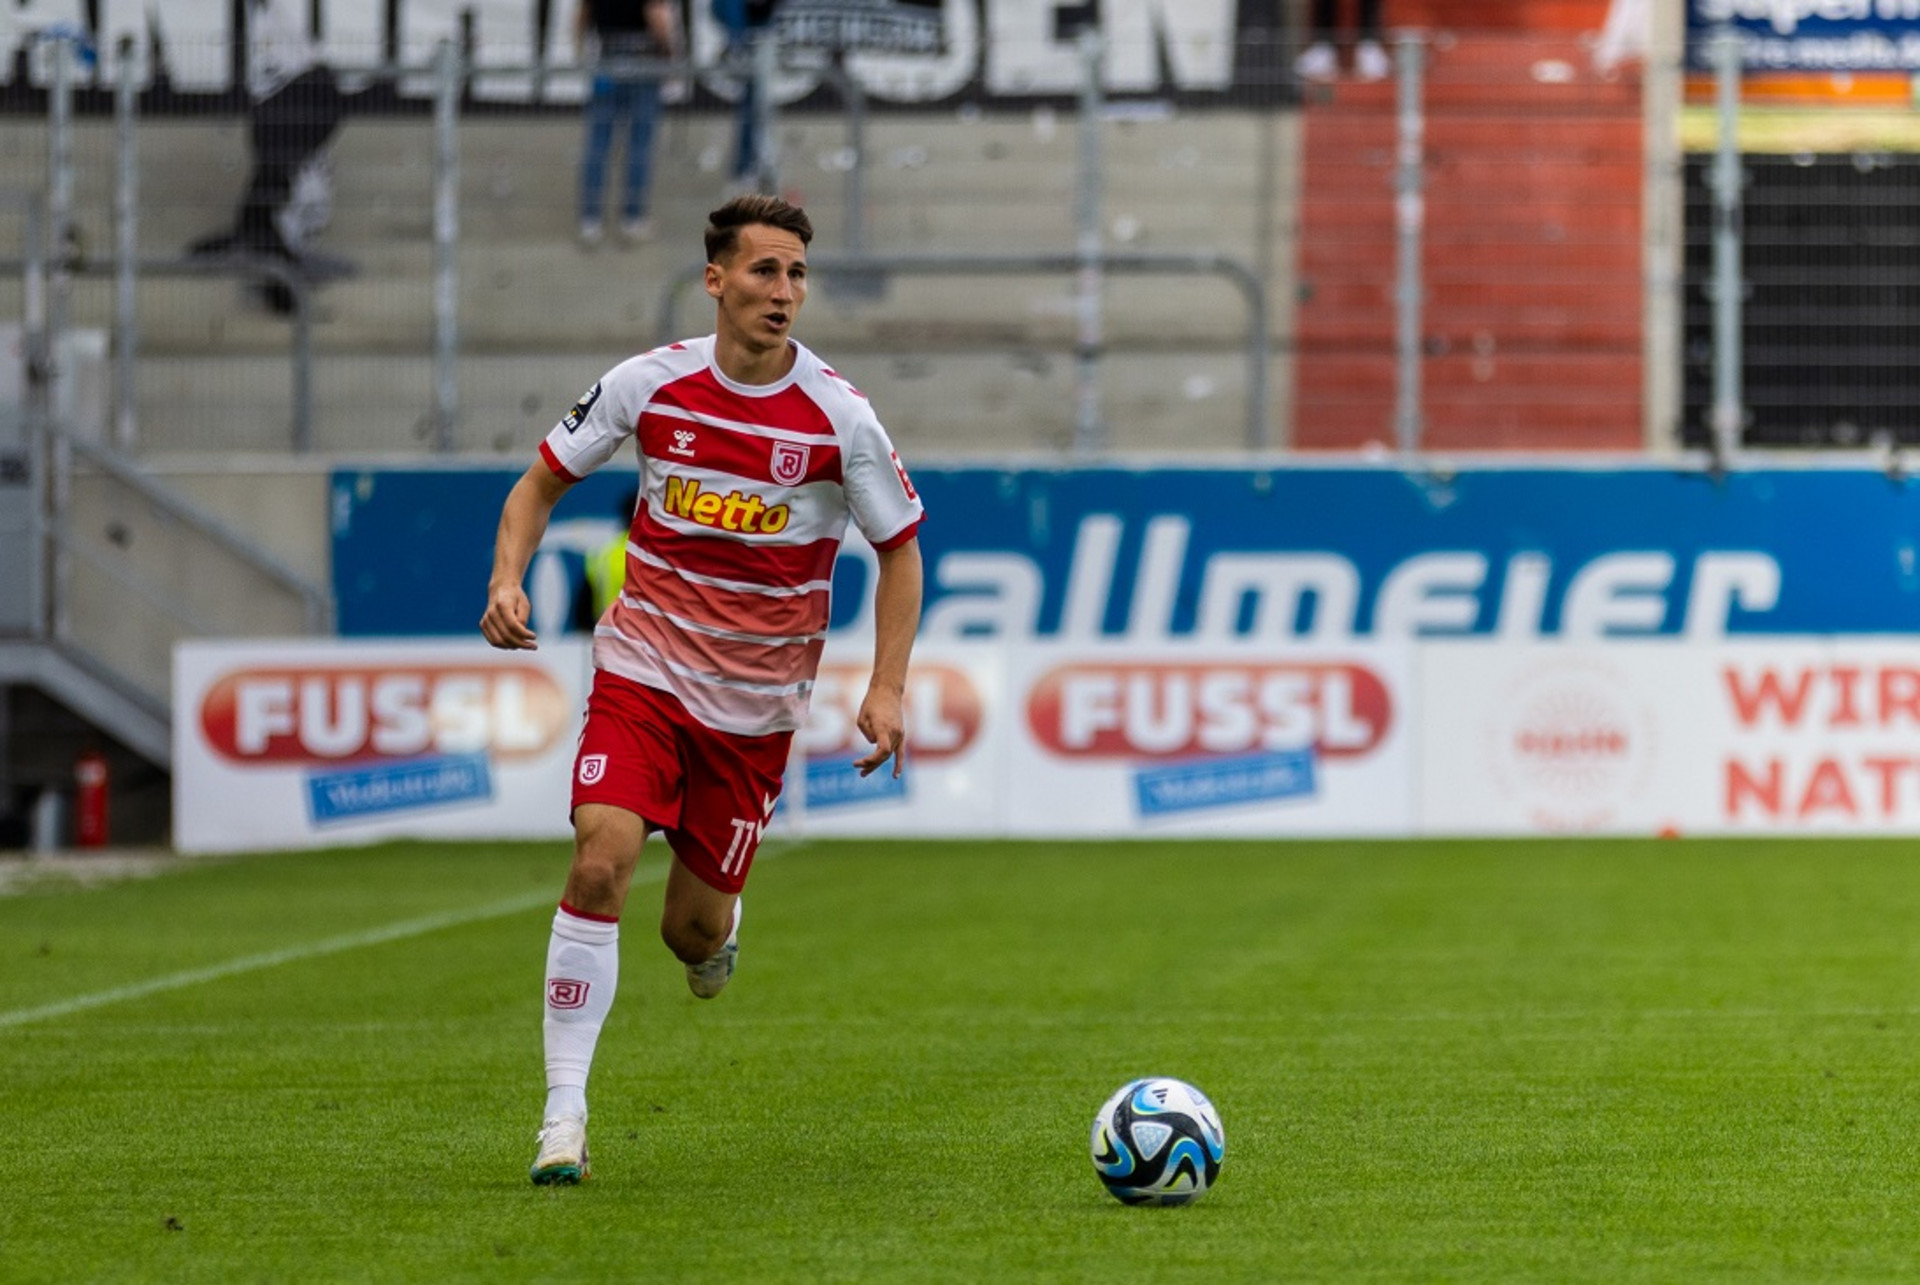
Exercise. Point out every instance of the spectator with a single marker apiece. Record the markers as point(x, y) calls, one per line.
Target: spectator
point(624, 32)
point(1625, 37)
point(743, 20)
point(297, 108)
point(607, 565)
point(1321, 61)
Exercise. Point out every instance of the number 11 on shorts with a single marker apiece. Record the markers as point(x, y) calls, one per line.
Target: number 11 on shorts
point(746, 837)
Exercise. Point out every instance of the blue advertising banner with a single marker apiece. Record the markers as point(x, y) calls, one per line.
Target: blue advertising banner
point(1310, 555)
point(1810, 35)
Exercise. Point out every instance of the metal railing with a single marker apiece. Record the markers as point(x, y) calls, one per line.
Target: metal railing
point(452, 80)
point(864, 269)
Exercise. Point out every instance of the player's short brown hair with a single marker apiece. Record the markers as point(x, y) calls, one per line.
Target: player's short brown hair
point(724, 224)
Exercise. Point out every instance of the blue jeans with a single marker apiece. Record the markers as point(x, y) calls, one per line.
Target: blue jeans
point(746, 145)
point(639, 102)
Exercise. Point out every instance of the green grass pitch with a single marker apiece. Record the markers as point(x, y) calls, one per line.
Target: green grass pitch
point(1505, 1061)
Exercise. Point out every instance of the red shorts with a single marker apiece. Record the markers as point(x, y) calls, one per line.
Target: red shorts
point(712, 793)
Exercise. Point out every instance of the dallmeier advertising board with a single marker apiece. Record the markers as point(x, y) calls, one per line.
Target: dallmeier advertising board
point(1278, 557)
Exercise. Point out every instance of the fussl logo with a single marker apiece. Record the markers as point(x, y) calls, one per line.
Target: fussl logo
point(1167, 710)
point(320, 713)
point(943, 711)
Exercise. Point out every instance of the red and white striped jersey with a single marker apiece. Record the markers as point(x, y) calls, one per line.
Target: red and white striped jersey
point(745, 492)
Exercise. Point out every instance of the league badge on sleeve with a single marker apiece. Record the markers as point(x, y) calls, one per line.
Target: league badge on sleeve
point(578, 415)
point(789, 462)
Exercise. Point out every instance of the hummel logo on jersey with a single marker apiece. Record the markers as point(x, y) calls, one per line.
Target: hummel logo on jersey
point(592, 768)
point(578, 415)
point(682, 442)
point(789, 462)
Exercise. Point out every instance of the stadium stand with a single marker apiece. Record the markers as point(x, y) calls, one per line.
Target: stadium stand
point(1532, 252)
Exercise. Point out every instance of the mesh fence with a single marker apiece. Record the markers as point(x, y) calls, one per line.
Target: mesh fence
point(1212, 141)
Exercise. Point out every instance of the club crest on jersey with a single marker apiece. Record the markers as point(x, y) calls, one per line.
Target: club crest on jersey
point(682, 442)
point(789, 462)
point(578, 415)
point(592, 768)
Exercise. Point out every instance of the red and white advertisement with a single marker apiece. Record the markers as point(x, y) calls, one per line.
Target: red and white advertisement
point(1135, 740)
point(954, 779)
point(1653, 737)
point(309, 744)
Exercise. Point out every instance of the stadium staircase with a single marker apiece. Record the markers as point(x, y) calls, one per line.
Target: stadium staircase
point(1532, 259)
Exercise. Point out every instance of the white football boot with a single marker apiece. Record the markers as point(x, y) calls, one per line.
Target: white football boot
point(1370, 61)
point(563, 1151)
point(709, 977)
point(1320, 63)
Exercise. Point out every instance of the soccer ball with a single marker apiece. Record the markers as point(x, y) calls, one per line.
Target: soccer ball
point(1158, 1142)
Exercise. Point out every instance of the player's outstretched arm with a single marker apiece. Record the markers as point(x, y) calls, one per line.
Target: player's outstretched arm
point(896, 619)
point(523, 521)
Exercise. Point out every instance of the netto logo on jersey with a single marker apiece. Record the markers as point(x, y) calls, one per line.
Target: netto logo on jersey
point(734, 511)
point(321, 714)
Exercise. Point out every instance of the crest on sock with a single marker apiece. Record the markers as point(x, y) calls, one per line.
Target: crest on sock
point(567, 992)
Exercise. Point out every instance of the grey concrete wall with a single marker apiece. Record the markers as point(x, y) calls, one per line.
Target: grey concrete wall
point(955, 364)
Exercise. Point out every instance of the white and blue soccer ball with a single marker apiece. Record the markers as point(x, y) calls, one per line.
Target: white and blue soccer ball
point(1158, 1142)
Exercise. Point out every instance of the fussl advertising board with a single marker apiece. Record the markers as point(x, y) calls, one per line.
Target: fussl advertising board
point(955, 778)
point(299, 744)
point(1030, 738)
point(1175, 740)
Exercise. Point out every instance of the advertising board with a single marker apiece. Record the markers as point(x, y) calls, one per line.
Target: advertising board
point(1024, 738)
point(1297, 555)
point(1809, 35)
point(308, 744)
point(1779, 737)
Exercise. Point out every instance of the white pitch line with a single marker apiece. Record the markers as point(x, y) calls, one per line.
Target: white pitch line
point(327, 946)
point(288, 955)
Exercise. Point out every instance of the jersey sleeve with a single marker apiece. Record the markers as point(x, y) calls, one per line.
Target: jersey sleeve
point(604, 418)
point(880, 495)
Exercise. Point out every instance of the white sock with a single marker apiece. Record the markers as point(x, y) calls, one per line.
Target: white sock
point(583, 968)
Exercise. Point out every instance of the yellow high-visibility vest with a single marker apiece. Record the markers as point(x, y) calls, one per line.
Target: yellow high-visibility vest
point(607, 574)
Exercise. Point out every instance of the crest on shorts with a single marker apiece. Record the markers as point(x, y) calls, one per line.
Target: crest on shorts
point(789, 462)
point(592, 768)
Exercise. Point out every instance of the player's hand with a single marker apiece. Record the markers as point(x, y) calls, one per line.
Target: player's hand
point(505, 624)
point(882, 723)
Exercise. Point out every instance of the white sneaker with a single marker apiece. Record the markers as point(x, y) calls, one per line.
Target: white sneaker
point(710, 977)
point(1370, 61)
point(1319, 62)
point(592, 232)
point(640, 229)
point(563, 1151)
